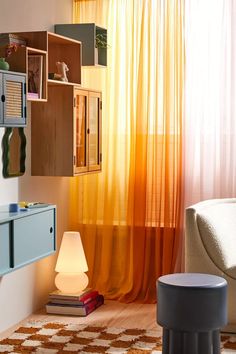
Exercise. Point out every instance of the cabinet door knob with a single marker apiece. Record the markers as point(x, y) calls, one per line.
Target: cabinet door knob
point(51, 230)
point(3, 98)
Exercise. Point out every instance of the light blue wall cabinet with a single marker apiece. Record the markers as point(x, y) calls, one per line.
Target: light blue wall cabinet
point(26, 236)
point(5, 254)
point(12, 99)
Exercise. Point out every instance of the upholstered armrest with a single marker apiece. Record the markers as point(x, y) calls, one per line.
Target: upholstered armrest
point(217, 229)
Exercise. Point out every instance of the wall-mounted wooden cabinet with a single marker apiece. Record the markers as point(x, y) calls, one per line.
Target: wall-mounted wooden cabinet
point(50, 48)
point(66, 132)
point(26, 236)
point(89, 34)
point(13, 99)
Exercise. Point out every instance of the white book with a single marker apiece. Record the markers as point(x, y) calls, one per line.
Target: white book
point(60, 310)
point(57, 294)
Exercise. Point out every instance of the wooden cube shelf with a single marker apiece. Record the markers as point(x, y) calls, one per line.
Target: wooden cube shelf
point(65, 50)
point(86, 33)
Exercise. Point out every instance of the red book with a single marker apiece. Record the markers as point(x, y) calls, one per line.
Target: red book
point(89, 296)
point(92, 305)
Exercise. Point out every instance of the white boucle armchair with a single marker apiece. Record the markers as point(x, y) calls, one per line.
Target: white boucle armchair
point(210, 243)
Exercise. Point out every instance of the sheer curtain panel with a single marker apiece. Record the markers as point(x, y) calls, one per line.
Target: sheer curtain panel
point(129, 215)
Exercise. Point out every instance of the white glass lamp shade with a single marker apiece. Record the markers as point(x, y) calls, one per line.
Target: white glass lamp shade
point(71, 264)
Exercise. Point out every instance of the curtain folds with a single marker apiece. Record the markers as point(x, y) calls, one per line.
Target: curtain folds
point(129, 215)
point(210, 100)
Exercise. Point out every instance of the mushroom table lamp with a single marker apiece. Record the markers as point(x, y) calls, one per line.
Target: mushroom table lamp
point(71, 264)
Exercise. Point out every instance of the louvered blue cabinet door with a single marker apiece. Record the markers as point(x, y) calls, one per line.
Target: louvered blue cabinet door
point(5, 251)
point(14, 102)
point(34, 237)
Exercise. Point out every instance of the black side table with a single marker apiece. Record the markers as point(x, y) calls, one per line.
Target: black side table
point(191, 308)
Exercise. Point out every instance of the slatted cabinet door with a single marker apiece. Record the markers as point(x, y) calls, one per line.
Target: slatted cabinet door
point(13, 99)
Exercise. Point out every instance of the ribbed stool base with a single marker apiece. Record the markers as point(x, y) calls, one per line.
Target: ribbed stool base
point(175, 342)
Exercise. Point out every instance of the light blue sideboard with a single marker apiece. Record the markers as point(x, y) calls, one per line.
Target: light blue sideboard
point(26, 236)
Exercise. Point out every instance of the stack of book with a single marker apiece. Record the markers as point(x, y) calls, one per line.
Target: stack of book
point(80, 304)
point(12, 39)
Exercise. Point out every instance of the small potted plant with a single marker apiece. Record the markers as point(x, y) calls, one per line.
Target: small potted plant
point(100, 48)
point(9, 49)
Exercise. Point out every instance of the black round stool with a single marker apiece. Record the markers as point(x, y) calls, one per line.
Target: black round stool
point(191, 308)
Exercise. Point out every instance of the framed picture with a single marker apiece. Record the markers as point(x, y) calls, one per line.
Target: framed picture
point(35, 72)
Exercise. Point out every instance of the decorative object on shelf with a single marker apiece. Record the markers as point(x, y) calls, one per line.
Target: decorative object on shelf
point(13, 152)
point(9, 49)
point(55, 76)
point(100, 46)
point(71, 264)
point(13, 207)
point(62, 70)
point(101, 40)
point(35, 75)
point(4, 64)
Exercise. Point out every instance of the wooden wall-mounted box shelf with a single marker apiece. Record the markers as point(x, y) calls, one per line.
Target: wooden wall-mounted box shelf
point(26, 236)
point(65, 50)
point(86, 33)
point(18, 62)
point(53, 48)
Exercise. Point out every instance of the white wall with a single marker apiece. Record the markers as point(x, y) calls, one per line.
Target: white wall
point(26, 289)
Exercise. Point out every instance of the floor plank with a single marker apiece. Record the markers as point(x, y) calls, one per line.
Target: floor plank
point(112, 314)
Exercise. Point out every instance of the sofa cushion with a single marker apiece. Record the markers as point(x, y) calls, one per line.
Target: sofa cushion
point(217, 228)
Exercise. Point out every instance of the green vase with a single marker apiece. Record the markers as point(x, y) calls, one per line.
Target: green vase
point(4, 64)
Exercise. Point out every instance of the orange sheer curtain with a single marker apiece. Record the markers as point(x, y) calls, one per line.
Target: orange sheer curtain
point(129, 215)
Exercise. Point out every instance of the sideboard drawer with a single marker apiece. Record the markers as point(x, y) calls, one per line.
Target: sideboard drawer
point(34, 237)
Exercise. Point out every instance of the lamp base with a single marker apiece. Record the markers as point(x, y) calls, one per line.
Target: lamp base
point(71, 282)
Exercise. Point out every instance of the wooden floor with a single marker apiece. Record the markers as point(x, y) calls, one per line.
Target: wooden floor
point(111, 314)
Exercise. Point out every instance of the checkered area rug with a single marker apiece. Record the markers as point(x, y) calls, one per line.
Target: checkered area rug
point(59, 338)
